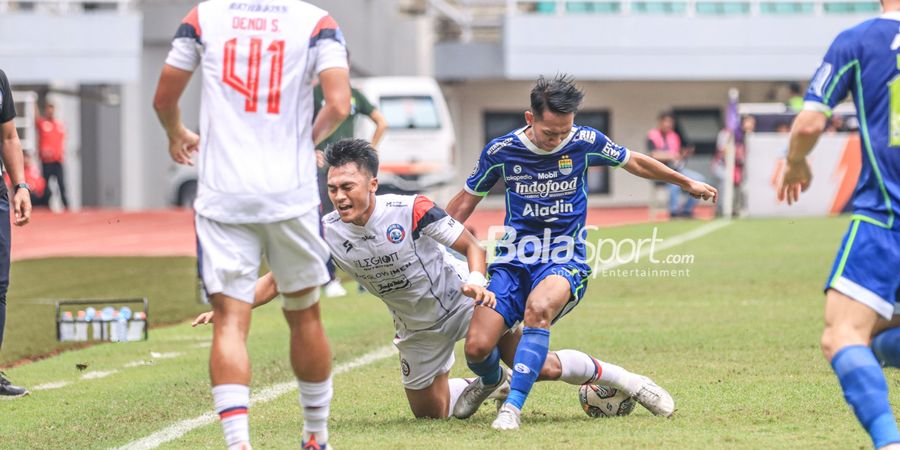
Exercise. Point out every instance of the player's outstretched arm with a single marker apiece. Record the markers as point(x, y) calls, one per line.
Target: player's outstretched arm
point(808, 126)
point(266, 290)
point(476, 256)
point(651, 169)
point(182, 142)
point(462, 205)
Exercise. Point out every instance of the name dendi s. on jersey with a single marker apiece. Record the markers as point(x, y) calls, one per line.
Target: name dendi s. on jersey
point(256, 161)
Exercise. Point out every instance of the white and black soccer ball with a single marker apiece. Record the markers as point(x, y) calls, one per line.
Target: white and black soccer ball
point(604, 401)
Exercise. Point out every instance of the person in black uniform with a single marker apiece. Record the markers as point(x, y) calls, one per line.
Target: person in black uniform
point(13, 163)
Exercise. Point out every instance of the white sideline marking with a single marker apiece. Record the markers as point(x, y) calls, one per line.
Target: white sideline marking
point(154, 355)
point(203, 345)
point(53, 385)
point(267, 394)
point(678, 239)
point(168, 355)
point(97, 374)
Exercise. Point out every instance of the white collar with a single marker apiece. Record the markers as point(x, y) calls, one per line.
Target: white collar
point(535, 149)
point(892, 15)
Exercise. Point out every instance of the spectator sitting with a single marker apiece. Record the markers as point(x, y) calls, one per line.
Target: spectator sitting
point(665, 146)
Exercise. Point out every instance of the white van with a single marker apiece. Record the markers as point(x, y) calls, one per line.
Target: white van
point(418, 149)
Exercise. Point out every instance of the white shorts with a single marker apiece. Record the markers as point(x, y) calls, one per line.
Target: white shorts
point(428, 353)
point(229, 255)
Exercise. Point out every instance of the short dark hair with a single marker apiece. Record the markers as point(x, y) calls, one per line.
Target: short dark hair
point(559, 95)
point(357, 151)
point(665, 115)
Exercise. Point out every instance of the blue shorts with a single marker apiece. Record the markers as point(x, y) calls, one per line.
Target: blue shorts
point(512, 284)
point(867, 267)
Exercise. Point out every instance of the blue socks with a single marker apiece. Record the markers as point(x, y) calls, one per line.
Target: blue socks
point(866, 390)
point(489, 370)
point(887, 347)
point(529, 360)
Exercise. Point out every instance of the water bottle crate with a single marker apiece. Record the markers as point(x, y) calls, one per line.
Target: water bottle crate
point(111, 320)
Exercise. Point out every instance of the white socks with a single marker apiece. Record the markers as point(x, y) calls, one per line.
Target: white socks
point(231, 402)
point(315, 399)
point(457, 385)
point(580, 368)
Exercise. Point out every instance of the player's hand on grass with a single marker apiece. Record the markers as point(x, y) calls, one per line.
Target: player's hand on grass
point(702, 190)
point(480, 294)
point(182, 144)
point(203, 319)
point(797, 176)
point(22, 207)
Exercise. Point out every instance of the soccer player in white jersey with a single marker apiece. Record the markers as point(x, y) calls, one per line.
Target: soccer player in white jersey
point(395, 245)
point(256, 169)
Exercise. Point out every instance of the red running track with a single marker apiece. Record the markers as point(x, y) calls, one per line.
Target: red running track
point(104, 232)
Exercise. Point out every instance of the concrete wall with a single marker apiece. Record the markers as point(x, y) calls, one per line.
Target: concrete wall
point(633, 108)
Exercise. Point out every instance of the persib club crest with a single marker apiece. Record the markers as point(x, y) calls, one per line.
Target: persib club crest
point(565, 165)
point(395, 233)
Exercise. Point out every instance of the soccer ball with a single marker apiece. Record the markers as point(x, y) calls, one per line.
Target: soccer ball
point(604, 401)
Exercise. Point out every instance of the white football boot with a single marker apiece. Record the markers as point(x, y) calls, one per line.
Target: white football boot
point(476, 393)
point(656, 399)
point(507, 419)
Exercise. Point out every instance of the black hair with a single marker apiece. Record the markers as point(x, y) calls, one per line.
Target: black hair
point(559, 95)
point(359, 151)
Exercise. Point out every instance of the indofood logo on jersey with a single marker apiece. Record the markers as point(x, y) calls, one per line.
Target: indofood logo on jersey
point(565, 165)
point(395, 233)
point(550, 188)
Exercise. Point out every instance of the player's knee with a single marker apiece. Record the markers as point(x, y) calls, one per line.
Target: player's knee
point(538, 316)
point(478, 348)
point(838, 336)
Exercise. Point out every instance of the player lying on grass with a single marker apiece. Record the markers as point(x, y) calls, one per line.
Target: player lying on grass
point(540, 273)
point(394, 245)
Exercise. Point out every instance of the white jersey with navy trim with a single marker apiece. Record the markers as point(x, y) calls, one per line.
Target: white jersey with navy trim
point(400, 256)
point(256, 161)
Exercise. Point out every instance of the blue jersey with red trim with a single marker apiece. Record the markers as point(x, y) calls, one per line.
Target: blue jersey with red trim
point(546, 193)
point(864, 61)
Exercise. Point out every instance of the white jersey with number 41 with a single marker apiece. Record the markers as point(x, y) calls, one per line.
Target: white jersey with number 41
point(256, 161)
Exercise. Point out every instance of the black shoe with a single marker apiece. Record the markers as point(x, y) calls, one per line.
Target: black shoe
point(7, 390)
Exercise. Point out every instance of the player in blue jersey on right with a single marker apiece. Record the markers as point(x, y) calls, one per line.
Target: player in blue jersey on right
point(861, 292)
point(540, 272)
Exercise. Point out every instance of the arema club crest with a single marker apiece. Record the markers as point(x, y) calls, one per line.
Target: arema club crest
point(395, 233)
point(565, 165)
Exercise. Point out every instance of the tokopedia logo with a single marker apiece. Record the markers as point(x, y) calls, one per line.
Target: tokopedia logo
point(547, 188)
point(539, 210)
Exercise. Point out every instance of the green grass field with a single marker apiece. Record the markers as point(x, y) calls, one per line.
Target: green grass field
point(735, 342)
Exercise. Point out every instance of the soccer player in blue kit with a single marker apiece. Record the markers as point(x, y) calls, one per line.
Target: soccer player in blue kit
point(540, 272)
point(861, 292)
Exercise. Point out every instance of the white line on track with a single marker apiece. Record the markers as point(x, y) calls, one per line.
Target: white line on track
point(183, 427)
point(267, 394)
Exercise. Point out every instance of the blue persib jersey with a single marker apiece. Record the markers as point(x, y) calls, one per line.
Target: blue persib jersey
point(546, 195)
point(865, 62)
